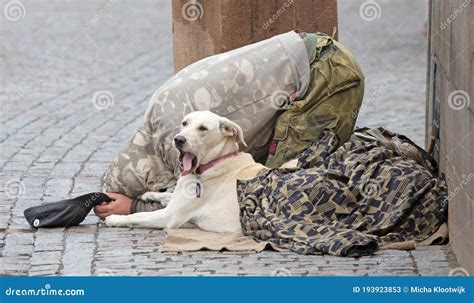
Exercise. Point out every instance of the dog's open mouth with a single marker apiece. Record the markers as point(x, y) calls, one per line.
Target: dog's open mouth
point(187, 162)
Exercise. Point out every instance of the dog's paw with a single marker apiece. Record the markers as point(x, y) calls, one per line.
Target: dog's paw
point(150, 196)
point(116, 221)
point(163, 198)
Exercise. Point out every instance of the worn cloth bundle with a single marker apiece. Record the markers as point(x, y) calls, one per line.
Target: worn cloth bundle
point(375, 190)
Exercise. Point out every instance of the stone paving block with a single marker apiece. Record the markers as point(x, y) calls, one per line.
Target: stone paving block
point(49, 235)
point(44, 270)
point(65, 170)
point(14, 265)
point(58, 187)
point(18, 237)
point(17, 250)
point(46, 258)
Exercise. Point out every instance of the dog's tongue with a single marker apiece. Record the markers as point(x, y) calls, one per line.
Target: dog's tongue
point(187, 163)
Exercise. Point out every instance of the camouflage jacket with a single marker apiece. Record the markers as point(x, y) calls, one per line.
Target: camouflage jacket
point(283, 92)
point(333, 100)
point(245, 85)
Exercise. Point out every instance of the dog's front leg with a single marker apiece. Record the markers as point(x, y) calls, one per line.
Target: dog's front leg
point(155, 219)
point(163, 198)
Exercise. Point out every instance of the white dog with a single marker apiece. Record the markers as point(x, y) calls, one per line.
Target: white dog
point(205, 194)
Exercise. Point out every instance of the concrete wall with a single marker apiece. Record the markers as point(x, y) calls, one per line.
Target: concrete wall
point(450, 115)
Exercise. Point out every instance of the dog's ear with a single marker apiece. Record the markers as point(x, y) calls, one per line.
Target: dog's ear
point(232, 129)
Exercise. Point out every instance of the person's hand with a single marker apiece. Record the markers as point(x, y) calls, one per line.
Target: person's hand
point(119, 206)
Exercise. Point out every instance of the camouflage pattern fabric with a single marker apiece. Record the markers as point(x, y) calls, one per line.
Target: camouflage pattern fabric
point(248, 85)
point(332, 101)
point(376, 189)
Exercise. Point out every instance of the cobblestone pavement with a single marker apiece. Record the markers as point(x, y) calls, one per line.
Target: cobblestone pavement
point(56, 143)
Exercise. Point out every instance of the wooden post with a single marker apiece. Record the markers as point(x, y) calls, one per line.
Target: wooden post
point(206, 27)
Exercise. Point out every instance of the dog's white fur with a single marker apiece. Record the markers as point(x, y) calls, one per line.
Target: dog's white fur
point(208, 137)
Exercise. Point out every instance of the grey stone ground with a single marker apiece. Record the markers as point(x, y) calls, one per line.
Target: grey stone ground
point(55, 143)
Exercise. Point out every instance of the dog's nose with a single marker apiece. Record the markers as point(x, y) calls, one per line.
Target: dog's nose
point(179, 141)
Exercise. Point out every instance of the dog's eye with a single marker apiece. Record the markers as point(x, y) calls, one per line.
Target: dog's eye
point(202, 128)
point(184, 123)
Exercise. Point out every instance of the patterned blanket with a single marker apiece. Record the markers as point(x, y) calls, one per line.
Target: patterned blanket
point(377, 189)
